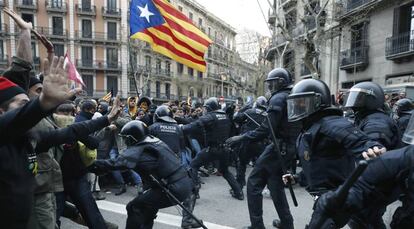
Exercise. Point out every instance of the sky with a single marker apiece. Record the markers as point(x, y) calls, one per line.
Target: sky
point(241, 14)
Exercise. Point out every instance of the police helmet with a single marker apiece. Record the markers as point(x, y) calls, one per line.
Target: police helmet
point(134, 132)
point(365, 95)
point(164, 113)
point(307, 97)
point(277, 79)
point(260, 102)
point(211, 104)
point(404, 106)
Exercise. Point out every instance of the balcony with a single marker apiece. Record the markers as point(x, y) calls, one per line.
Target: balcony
point(86, 64)
point(53, 33)
point(111, 13)
point(161, 96)
point(305, 72)
point(400, 46)
point(56, 6)
point(85, 11)
point(97, 37)
point(354, 59)
point(156, 72)
point(29, 5)
point(4, 29)
point(349, 7)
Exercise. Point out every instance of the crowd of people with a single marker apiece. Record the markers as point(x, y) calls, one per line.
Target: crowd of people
point(58, 148)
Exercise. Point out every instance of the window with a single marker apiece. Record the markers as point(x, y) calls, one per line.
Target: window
point(27, 2)
point(57, 23)
point(180, 8)
point(86, 5)
point(112, 30)
point(200, 75)
point(56, 3)
point(132, 87)
point(86, 28)
point(2, 56)
point(112, 84)
point(200, 22)
point(167, 68)
point(59, 49)
point(112, 57)
point(148, 91)
point(289, 61)
point(191, 92)
point(180, 68)
point(209, 32)
point(111, 4)
point(200, 93)
point(87, 57)
point(190, 15)
point(168, 90)
point(158, 89)
point(291, 20)
point(148, 63)
point(34, 50)
point(28, 18)
point(190, 71)
point(88, 80)
point(158, 66)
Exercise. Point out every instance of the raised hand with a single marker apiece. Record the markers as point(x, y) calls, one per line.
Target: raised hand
point(116, 109)
point(23, 25)
point(55, 85)
point(46, 42)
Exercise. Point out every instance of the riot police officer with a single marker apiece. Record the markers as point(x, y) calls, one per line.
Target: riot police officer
point(403, 109)
point(167, 130)
point(367, 101)
point(382, 183)
point(329, 144)
point(249, 120)
point(148, 156)
point(268, 168)
point(216, 126)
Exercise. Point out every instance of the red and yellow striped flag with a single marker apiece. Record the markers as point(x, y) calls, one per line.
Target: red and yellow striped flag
point(169, 32)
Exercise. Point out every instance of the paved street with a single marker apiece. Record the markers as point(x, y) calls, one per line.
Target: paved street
point(215, 207)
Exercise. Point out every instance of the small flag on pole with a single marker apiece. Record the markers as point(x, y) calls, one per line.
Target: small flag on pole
point(107, 97)
point(169, 32)
point(73, 74)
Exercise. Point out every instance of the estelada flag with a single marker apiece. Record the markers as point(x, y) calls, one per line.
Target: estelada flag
point(169, 32)
point(73, 74)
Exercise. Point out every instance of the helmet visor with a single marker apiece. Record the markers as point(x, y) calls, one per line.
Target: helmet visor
point(408, 136)
point(274, 85)
point(299, 107)
point(357, 97)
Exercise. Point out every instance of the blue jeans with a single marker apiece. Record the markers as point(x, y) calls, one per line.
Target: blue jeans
point(79, 191)
point(117, 174)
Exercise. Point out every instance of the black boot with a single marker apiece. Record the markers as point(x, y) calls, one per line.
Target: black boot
point(121, 190)
point(276, 223)
point(239, 196)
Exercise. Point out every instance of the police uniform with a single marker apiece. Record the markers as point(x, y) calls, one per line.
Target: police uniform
point(150, 156)
point(248, 150)
point(379, 127)
point(216, 126)
point(382, 183)
point(170, 133)
point(268, 169)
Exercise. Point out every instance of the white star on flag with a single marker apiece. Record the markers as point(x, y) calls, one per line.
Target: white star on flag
point(145, 12)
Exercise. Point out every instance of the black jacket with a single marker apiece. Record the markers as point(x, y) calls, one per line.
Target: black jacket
point(16, 180)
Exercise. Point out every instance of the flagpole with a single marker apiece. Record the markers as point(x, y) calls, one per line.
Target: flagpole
point(132, 67)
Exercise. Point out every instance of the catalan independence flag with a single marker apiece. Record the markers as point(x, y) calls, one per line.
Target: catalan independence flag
point(169, 32)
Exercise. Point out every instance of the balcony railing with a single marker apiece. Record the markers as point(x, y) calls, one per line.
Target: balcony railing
point(111, 12)
point(98, 64)
point(354, 58)
point(56, 6)
point(399, 46)
point(162, 72)
point(348, 7)
point(26, 4)
point(58, 33)
point(353, 4)
point(161, 96)
point(85, 11)
point(97, 37)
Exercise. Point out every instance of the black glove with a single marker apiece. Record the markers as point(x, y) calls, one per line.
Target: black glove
point(235, 140)
point(327, 209)
point(97, 168)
